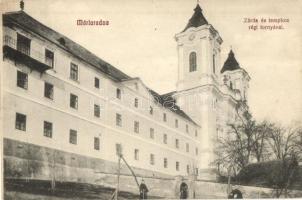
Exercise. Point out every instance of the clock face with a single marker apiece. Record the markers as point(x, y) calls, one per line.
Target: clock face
point(192, 36)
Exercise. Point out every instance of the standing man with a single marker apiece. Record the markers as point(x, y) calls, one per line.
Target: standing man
point(143, 190)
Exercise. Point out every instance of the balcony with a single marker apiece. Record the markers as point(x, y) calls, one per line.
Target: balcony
point(33, 59)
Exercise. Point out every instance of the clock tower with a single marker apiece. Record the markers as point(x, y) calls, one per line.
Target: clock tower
point(198, 47)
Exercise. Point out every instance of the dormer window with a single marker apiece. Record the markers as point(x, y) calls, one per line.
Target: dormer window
point(192, 61)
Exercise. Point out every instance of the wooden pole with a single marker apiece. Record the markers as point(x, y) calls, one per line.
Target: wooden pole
point(229, 181)
point(118, 177)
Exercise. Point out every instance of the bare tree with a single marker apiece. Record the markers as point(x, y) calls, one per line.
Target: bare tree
point(286, 150)
point(259, 145)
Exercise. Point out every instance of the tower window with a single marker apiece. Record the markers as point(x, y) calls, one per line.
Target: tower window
point(192, 60)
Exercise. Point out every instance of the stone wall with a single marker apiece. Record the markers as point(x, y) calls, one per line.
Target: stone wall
point(27, 161)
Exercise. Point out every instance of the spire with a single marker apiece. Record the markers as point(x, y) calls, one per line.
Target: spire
point(22, 5)
point(231, 63)
point(197, 18)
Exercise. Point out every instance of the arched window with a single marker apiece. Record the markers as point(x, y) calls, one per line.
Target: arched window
point(192, 61)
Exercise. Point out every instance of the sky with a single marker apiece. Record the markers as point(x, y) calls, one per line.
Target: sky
point(140, 41)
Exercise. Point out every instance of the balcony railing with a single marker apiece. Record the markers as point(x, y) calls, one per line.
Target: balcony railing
point(21, 53)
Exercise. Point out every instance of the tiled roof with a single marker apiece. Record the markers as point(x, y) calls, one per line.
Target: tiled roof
point(168, 102)
point(23, 20)
point(230, 64)
point(197, 19)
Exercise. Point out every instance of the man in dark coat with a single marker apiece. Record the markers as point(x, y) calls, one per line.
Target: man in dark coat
point(143, 190)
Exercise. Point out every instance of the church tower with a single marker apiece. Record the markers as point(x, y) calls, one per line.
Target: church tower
point(198, 47)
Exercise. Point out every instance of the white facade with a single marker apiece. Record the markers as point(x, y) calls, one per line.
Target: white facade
point(37, 108)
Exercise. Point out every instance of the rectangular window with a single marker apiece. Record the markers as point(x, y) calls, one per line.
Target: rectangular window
point(22, 80)
point(187, 128)
point(73, 136)
point(176, 123)
point(165, 138)
point(151, 133)
point(118, 119)
point(196, 171)
point(73, 101)
point(152, 161)
point(136, 154)
point(177, 166)
point(136, 126)
point(164, 117)
point(96, 82)
point(49, 58)
point(23, 44)
point(118, 93)
point(165, 163)
point(196, 133)
point(74, 72)
point(48, 90)
point(151, 110)
point(96, 143)
point(188, 169)
point(97, 110)
point(196, 151)
point(177, 143)
point(20, 122)
point(187, 147)
point(136, 102)
point(47, 129)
